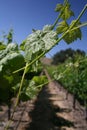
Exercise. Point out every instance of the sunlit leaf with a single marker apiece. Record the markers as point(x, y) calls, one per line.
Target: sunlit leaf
point(2, 46)
point(38, 42)
point(73, 35)
point(59, 7)
point(33, 87)
point(62, 27)
point(64, 10)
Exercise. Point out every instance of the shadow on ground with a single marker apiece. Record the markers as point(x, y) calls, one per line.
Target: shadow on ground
point(44, 114)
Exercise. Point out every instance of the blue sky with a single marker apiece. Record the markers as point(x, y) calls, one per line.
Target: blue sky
point(23, 15)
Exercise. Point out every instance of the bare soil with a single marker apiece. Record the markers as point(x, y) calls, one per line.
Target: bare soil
point(49, 111)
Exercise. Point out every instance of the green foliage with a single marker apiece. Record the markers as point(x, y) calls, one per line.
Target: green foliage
point(38, 42)
point(51, 69)
point(39, 80)
point(10, 60)
point(33, 87)
point(72, 75)
point(2, 46)
point(73, 35)
point(9, 36)
point(8, 50)
point(65, 13)
point(63, 55)
point(34, 47)
point(62, 27)
point(64, 10)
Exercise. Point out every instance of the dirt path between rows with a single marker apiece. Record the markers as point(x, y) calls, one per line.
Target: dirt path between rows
point(49, 111)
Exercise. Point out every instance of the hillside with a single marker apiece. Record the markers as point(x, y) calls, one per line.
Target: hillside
point(46, 61)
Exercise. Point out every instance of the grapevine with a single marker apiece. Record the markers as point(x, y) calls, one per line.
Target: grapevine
point(35, 46)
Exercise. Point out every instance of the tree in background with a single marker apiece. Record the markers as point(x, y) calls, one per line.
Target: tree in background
point(63, 55)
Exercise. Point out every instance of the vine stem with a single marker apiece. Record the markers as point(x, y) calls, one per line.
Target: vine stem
point(22, 80)
point(82, 12)
point(79, 26)
point(18, 96)
point(59, 16)
point(56, 21)
point(80, 15)
point(29, 64)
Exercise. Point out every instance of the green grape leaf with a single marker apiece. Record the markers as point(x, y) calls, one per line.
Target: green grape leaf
point(59, 7)
point(33, 45)
point(9, 78)
point(49, 39)
point(22, 45)
point(10, 59)
point(9, 49)
point(39, 79)
point(74, 34)
point(11, 62)
point(29, 92)
point(62, 27)
point(38, 42)
point(2, 46)
point(47, 28)
point(65, 11)
point(33, 87)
